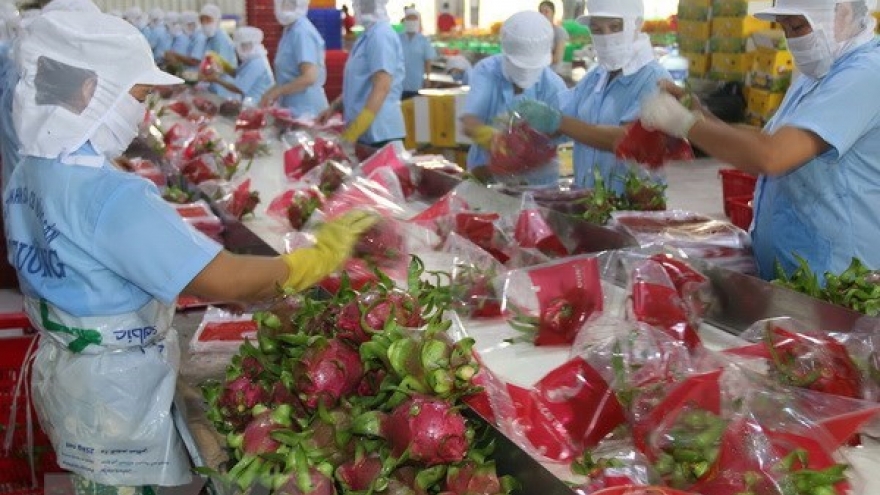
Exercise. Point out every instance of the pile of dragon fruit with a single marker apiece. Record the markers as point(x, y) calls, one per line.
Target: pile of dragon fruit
point(363, 392)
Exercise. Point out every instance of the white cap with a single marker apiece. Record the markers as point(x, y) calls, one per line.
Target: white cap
point(172, 17)
point(615, 9)
point(189, 17)
point(61, 52)
point(212, 11)
point(248, 34)
point(132, 13)
point(527, 40)
point(411, 11)
point(370, 11)
point(71, 6)
point(794, 7)
point(157, 14)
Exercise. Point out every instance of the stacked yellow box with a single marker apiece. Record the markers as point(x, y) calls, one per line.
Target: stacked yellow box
point(769, 79)
point(694, 29)
point(877, 16)
point(729, 45)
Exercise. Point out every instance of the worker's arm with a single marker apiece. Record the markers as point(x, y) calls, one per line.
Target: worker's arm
point(381, 86)
point(239, 278)
point(427, 79)
point(558, 52)
point(229, 85)
point(601, 137)
point(308, 75)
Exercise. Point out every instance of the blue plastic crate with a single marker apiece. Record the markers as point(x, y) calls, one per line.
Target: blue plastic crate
point(328, 22)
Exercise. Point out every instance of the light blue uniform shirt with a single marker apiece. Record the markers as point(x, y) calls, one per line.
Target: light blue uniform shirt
point(97, 240)
point(180, 43)
point(598, 102)
point(827, 210)
point(161, 43)
point(417, 50)
point(197, 45)
point(376, 50)
point(492, 95)
point(301, 43)
point(254, 77)
point(9, 143)
point(222, 45)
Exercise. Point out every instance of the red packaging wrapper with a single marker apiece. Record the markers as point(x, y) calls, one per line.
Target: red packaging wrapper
point(205, 106)
point(221, 331)
point(251, 143)
point(436, 216)
point(651, 148)
point(475, 277)
point(390, 158)
point(518, 148)
point(178, 136)
point(305, 153)
point(251, 119)
point(241, 200)
point(641, 490)
point(554, 301)
point(205, 141)
point(655, 301)
point(804, 358)
point(532, 230)
point(179, 107)
point(692, 286)
point(294, 207)
point(200, 169)
point(481, 229)
point(200, 216)
point(146, 169)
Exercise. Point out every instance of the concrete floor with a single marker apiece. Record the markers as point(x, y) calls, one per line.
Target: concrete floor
point(695, 186)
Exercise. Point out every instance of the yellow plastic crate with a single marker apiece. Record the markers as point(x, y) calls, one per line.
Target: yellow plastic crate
point(696, 30)
point(694, 12)
point(773, 62)
point(731, 8)
point(737, 27)
point(693, 46)
point(728, 45)
point(442, 111)
point(699, 63)
point(407, 107)
point(763, 103)
point(695, 3)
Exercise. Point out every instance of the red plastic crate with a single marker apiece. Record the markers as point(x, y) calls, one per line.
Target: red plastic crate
point(741, 212)
point(15, 474)
point(736, 184)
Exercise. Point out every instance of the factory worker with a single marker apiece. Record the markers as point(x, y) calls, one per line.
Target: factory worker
point(498, 83)
point(101, 257)
point(459, 69)
point(560, 35)
point(594, 112)
point(253, 77)
point(179, 38)
point(196, 46)
point(218, 43)
point(819, 156)
point(9, 143)
point(373, 80)
point(418, 53)
point(300, 69)
point(160, 41)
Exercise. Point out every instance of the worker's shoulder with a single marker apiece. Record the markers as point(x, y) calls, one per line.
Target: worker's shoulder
point(490, 65)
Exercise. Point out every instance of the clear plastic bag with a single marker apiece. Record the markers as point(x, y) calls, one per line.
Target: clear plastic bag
point(533, 232)
point(517, 148)
point(305, 151)
point(293, 207)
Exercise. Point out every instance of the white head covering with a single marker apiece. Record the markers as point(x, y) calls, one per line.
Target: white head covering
point(248, 35)
point(115, 12)
point(136, 17)
point(71, 6)
point(288, 11)
point(630, 49)
point(412, 26)
point(156, 16)
point(60, 53)
point(9, 22)
point(369, 12)
point(212, 11)
point(526, 45)
point(188, 17)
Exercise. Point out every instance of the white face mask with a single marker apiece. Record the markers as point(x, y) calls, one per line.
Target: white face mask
point(246, 54)
point(411, 26)
point(523, 78)
point(286, 18)
point(209, 29)
point(119, 127)
point(613, 50)
point(811, 54)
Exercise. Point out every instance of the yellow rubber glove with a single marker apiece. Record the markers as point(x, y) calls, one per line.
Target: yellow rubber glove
point(334, 242)
point(359, 126)
point(482, 136)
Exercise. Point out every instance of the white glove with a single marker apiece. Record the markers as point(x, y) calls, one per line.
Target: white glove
point(663, 112)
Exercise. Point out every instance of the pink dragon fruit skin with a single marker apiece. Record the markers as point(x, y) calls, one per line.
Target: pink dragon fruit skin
point(239, 397)
point(357, 475)
point(429, 429)
point(321, 485)
point(471, 478)
point(328, 373)
point(257, 435)
point(356, 326)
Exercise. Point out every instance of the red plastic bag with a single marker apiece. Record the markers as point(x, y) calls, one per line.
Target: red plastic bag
point(612, 463)
point(201, 169)
point(252, 119)
point(305, 152)
point(655, 301)
point(294, 207)
point(481, 229)
point(241, 200)
point(250, 143)
point(475, 276)
point(805, 358)
point(144, 168)
point(518, 148)
point(390, 158)
point(692, 286)
point(179, 107)
point(651, 148)
point(532, 230)
point(553, 302)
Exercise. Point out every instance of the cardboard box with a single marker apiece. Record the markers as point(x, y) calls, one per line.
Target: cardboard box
point(737, 27)
point(694, 12)
point(773, 62)
point(699, 63)
point(729, 45)
point(693, 45)
point(436, 116)
point(763, 103)
point(696, 30)
point(738, 8)
point(730, 66)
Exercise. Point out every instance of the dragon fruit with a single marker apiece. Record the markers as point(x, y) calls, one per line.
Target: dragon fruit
point(368, 313)
point(257, 436)
point(359, 474)
point(470, 478)
point(311, 482)
point(328, 371)
point(382, 245)
point(238, 399)
point(425, 429)
point(332, 175)
point(303, 203)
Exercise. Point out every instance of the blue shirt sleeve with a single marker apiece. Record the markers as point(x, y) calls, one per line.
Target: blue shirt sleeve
point(221, 44)
point(382, 55)
point(306, 49)
point(832, 111)
point(254, 78)
point(198, 46)
point(142, 239)
point(479, 97)
point(430, 52)
point(645, 86)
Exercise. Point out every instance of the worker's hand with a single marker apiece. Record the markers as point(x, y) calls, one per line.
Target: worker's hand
point(270, 97)
point(542, 117)
point(210, 77)
point(221, 62)
point(664, 112)
point(359, 126)
point(334, 242)
point(482, 136)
